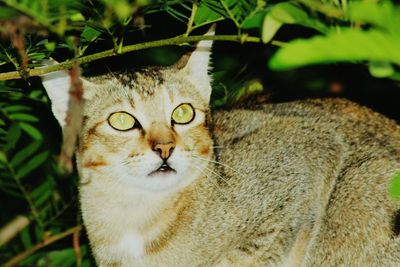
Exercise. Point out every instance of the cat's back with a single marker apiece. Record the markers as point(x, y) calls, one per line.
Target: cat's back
point(291, 151)
point(308, 120)
point(318, 138)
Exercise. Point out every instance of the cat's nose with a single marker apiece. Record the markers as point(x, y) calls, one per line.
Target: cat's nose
point(164, 149)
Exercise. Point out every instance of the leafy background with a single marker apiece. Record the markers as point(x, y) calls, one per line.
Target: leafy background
point(299, 49)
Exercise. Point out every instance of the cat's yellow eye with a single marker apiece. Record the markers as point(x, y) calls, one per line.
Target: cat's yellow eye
point(121, 121)
point(183, 114)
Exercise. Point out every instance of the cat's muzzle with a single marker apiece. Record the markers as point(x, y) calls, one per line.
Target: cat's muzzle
point(163, 170)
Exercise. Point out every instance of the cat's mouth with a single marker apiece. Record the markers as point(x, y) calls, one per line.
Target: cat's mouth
point(164, 169)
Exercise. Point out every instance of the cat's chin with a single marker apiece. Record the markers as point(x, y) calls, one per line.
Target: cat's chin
point(159, 180)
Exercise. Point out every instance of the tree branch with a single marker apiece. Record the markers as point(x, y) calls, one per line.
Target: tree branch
point(14, 261)
point(111, 52)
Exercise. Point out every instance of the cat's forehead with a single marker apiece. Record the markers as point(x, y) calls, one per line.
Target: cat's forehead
point(144, 82)
point(146, 87)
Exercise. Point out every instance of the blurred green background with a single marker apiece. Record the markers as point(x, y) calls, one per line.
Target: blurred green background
point(307, 49)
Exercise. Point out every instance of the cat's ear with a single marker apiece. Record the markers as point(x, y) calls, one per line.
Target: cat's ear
point(197, 64)
point(57, 85)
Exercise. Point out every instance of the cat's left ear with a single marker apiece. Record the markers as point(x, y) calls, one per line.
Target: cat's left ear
point(58, 85)
point(197, 64)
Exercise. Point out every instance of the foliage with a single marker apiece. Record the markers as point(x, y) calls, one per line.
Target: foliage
point(395, 187)
point(373, 36)
point(33, 30)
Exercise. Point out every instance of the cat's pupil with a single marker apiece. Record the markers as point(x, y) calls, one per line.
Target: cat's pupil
point(122, 119)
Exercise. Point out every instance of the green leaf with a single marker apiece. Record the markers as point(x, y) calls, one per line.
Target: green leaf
point(213, 10)
point(23, 117)
point(279, 15)
point(25, 153)
point(13, 135)
point(41, 56)
point(177, 14)
point(32, 164)
point(395, 76)
point(289, 13)
point(26, 238)
point(42, 193)
point(7, 13)
point(238, 11)
point(38, 95)
point(3, 157)
point(89, 34)
point(205, 15)
point(250, 87)
point(394, 188)
point(31, 131)
point(255, 20)
point(65, 258)
point(348, 45)
point(381, 69)
point(39, 232)
point(50, 46)
point(382, 14)
point(16, 108)
point(121, 8)
point(269, 28)
point(77, 17)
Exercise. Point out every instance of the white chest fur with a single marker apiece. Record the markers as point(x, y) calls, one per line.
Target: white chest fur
point(129, 248)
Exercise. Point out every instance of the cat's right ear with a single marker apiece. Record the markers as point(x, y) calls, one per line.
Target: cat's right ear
point(57, 85)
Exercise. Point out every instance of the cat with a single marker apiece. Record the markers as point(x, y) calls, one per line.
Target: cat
point(165, 181)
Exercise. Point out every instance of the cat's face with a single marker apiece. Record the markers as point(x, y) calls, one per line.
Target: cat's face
point(147, 129)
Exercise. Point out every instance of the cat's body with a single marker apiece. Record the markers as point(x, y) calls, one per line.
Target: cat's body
point(294, 184)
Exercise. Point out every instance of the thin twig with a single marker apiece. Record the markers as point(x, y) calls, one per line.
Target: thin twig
point(59, 213)
point(77, 248)
point(27, 197)
point(111, 52)
point(11, 229)
point(14, 261)
point(10, 58)
point(191, 19)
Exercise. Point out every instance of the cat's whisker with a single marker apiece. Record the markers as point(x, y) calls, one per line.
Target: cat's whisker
point(219, 163)
point(222, 164)
point(194, 157)
point(110, 71)
point(217, 174)
point(210, 180)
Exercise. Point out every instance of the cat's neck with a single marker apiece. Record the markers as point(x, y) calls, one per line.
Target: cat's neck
point(122, 218)
point(148, 207)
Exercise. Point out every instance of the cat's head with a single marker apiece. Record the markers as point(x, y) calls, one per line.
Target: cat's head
point(145, 129)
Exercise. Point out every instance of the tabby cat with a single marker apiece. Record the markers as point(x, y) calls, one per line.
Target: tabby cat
point(167, 182)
